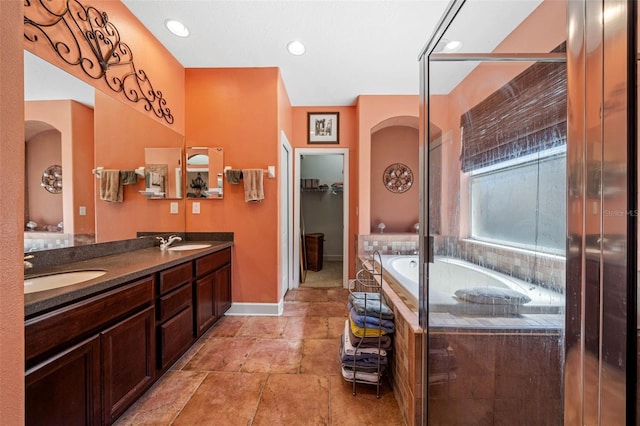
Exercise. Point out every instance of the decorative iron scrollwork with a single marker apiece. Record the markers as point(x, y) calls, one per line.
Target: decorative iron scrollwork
point(84, 36)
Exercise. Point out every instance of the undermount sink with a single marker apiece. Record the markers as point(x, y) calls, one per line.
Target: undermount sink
point(184, 247)
point(62, 279)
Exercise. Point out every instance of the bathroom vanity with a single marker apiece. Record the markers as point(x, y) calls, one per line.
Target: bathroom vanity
point(92, 349)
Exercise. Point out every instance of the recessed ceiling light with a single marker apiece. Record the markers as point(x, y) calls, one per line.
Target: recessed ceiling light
point(452, 46)
point(177, 28)
point(296, 48)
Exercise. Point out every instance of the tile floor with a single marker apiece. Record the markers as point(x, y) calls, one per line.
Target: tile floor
point(267, 371)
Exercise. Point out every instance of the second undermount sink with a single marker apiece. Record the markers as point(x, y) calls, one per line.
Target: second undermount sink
point(184, 247)
point(62, 279)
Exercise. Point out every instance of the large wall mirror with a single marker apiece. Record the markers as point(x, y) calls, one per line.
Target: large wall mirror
point(116, 138)
point(204, 173)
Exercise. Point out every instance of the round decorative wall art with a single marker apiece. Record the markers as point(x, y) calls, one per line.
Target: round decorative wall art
point(397, 178)
point(52, 179)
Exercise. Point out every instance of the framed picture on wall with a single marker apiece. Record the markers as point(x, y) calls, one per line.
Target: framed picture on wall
point(323, 127)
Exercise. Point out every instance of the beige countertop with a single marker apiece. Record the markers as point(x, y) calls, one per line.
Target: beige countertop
point(120, 269)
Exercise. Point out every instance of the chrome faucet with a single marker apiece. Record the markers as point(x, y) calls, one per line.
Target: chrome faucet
point(27, 264)
point(164, 244)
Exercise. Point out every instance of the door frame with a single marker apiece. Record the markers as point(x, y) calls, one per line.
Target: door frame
point(286, 206)
point(299, 152)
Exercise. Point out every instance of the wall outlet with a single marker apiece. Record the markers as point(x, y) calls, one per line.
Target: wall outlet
point(82, 211)
point(174, 207)
point(195, 207)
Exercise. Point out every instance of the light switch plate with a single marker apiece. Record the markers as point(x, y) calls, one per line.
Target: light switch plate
point(83, 211)
point(195, 207)
point(174, 207)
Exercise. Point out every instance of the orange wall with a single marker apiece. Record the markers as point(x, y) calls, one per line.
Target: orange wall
point(398, 211)
point(371, 111)
point(237, 109)
point(348, 139)
point(121, 135)
point(43, 150)
point(164, 71)
point(11, 215)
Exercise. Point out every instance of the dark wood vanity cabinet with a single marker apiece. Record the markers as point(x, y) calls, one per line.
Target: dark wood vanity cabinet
point(89, 361)
point(174, 313)
point(212, 291)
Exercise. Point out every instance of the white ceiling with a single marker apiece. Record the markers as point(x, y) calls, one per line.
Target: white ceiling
point(354, 47)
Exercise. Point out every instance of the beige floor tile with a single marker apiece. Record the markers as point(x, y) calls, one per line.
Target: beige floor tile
point(294, 399)
point(221, 354)
point(274, 356)
point(224, 399)
point(328, 309)
point(162, 403)
point(295, 309)
point(306, 328)
point(263, 327)
point(226, 326)
point(363, 408)
point(320, 356)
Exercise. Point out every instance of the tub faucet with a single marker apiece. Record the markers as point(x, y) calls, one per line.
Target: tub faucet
point(164, 244)
point(27, 264)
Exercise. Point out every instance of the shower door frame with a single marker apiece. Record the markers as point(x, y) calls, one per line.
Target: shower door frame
point(593, 29)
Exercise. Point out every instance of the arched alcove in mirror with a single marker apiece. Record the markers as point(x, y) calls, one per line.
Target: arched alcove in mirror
point(204, 173)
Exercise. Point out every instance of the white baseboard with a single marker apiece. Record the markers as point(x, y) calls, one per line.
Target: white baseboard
point(256, 309)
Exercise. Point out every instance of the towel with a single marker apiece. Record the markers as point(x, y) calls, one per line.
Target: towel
point(365, 332)
point(128, 177)
point(110, 188)
point(233, 176)
point(360, 362)
point(253, 187)
point(360, 376)
point(370, 320)
point(370, 304)
point(351, 350)
point(370, 342)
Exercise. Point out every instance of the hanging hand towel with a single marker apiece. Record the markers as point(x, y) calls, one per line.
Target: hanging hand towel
point(128, 177)
point(253, 186)
point(233, 176)
point(110, 187)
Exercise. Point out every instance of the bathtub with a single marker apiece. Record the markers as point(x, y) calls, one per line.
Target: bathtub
point(447, 275)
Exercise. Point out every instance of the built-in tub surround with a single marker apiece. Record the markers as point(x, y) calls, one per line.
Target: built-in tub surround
point(405, 373)
point(403, 243)
point(528, 265)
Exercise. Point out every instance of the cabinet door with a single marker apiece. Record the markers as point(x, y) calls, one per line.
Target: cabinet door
point(223, 290)
point(128, 362)
point(205, 303)
point(65, 389)
point(174, 337)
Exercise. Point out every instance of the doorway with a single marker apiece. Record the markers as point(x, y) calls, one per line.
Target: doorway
point(322, 183)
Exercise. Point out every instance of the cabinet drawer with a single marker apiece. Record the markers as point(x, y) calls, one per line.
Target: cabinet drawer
point(174, 277)
point(48, 331)
point(173, 302)
point(213, 261)
point(174, 337)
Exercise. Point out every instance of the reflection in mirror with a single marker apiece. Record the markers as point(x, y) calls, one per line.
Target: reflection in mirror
point(58, 131)
point(204, 173)
point(163, 173)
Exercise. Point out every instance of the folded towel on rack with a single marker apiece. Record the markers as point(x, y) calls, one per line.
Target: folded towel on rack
point(362, 361)
point(370, 342)
point(370, 320)
point(370, 304)
point(233, 176)
point(253, 185)
point(359, 376)
point(351, 350)
point(365, 332)
point(110, 187)
point(128, 177)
